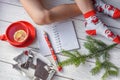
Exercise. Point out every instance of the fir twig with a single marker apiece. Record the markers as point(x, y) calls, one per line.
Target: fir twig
point(96, 50)
point(89, 39)
point(74, 58)
point(68, 54)
point(97, 68)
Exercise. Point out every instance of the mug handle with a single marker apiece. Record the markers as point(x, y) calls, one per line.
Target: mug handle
point(3, 37)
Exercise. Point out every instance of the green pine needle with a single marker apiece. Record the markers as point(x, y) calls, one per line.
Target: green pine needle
point(105, 75)
point(67, 62)
point(107, 64)
point(68, 54)
point(75, 58)
point(100, 43)
point(113, 72)
point(109, 73)
point(91, 47)
point(97, 68)
point(76, 53)
point(71, 61)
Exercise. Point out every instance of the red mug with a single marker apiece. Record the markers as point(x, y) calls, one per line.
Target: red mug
point(19, 25)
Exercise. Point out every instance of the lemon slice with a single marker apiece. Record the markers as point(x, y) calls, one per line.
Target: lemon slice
point(20, 36)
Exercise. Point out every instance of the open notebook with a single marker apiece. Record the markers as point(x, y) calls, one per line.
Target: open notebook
point(62, 36)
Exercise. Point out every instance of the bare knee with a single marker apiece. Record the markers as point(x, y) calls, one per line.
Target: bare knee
point(42, 18)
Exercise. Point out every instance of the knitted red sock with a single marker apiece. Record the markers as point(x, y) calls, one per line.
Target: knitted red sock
point(107, 9)
point(94, 26)
point(86, 16)
point(90, 13)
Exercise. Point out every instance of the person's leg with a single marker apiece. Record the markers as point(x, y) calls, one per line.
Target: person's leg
point(107, 9)
point(94, 25)
point(64, 11)
point(85, 5)
point(36, 10)
point(41, 15)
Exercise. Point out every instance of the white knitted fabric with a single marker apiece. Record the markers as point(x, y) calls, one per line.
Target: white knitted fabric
point(93, 23)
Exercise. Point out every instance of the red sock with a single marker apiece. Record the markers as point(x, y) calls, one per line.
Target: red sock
point(90, 13)
point(107, 9)
point(95, 26)
point(116, 13)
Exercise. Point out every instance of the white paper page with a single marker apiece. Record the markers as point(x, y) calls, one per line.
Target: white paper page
point(67, 37)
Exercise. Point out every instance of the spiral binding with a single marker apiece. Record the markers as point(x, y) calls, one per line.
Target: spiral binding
point(57, 39)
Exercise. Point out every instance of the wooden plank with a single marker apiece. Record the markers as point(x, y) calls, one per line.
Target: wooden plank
point(10, 13)
point(57, 77)
point(11, 2)
point(8, 52)
point(8, 73)
point(109, 21)
point(80, 73)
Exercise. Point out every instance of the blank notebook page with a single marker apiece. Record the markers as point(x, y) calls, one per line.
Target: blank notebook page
point(62, 36)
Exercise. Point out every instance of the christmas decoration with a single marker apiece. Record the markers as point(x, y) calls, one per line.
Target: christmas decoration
point(99, 51)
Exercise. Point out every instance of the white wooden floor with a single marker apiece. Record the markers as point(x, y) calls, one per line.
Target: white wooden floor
point(12, 10)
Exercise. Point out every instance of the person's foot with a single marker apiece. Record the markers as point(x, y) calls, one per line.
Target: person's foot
point(107, 9)
point(94, 26)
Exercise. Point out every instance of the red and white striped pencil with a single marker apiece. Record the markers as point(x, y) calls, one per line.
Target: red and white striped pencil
point(46, 36)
